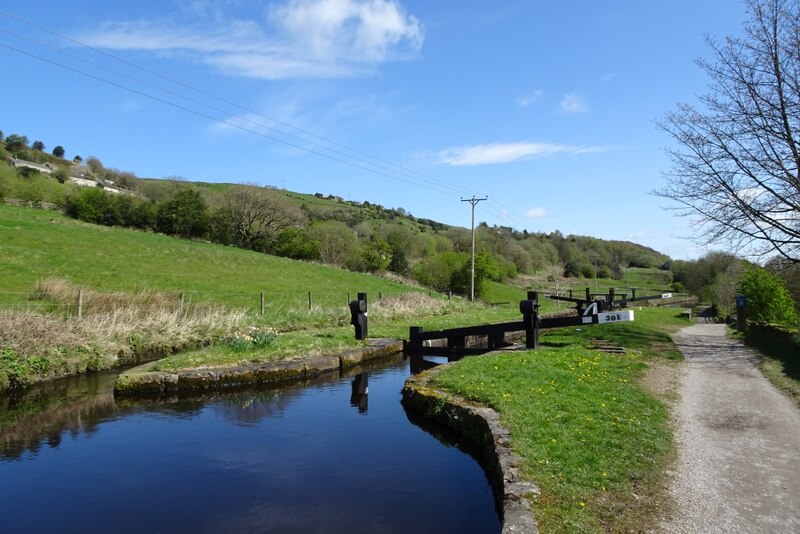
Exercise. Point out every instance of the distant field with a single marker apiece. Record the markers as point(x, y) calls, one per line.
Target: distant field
point(37, 244)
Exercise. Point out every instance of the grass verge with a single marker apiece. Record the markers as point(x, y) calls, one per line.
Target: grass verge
point(590, 435)
point(780, 356)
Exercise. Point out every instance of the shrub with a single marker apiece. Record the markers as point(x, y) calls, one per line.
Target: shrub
point(185, 214)
point(768, 300)
point(92, 205)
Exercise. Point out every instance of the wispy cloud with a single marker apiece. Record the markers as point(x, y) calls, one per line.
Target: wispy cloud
point(508, 152)
point(574, 103)
point(529, 100)
point(535, 213)
point(293, 39)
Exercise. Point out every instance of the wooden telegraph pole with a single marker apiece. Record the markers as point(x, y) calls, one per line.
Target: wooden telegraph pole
point(473, 201)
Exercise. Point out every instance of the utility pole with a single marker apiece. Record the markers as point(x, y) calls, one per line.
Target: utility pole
point(473, 201)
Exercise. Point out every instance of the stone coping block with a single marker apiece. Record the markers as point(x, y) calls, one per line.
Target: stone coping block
point(144, 380)
point(482, 426)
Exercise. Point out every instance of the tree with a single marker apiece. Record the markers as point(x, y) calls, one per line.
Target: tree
point(377, 255)
point(334, 240)
point(251, 217)
point(15, 143)
point(736, 165)
point(61, 174)
point(95, 165)
point(58, 151)
point(768, 301)
point(186, 215)
point(77, 159)
point(38, 145)
point(485, 269)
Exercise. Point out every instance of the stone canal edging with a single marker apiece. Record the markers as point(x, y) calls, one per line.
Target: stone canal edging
point(144, 380)
point(482, 426)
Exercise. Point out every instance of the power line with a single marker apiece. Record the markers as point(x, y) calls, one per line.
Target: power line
point(222, 121)
point(382, 167)
point(438, 182)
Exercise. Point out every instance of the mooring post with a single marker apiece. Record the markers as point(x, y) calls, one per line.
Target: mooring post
point(530, 317)
point(358, 316)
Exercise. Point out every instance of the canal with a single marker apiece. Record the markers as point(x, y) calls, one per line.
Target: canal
point(327, 456)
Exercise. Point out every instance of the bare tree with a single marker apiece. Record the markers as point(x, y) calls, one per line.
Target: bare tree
point(252, 216)
point(737, 162)
point(335, 242)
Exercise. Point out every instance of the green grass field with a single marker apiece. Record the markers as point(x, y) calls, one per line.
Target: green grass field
point(39, 244)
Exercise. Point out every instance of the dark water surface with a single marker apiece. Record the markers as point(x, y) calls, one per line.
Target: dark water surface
point(313, 458)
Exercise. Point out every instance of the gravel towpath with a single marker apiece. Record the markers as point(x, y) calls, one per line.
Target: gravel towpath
point(738, 440)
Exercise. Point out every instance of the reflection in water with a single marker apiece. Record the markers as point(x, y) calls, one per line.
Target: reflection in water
point(250, 409)
point(360, 392)
point(271, 459)
point(43, 414)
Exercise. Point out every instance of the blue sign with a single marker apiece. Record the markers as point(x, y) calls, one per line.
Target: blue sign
point(741, 301)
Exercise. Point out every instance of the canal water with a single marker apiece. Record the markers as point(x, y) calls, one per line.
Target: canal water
point(328, 456)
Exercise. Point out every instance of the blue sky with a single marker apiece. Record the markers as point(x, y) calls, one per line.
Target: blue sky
point(547, 108)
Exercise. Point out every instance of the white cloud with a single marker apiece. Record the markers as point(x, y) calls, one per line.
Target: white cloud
point(527, 101)
point(296, 39)
point(574, 103)
point(508, 152)
point(535, 213)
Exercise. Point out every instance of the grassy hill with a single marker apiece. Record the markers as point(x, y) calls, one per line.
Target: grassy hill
point(40, 244)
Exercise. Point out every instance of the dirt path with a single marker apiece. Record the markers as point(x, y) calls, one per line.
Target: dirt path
point(738, 439)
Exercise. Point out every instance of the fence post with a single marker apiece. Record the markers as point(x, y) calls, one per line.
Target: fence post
point(262, 303)
point(180, 304)
point(380, 295)
point(80, 304)
point(449, 295)
point(348, 297)
point(309, 300)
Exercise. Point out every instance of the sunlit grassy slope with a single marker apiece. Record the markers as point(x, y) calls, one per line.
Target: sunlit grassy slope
point(36, 244)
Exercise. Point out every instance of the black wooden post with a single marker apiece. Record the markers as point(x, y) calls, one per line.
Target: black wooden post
point(530, 317)
point(414, 342)
point(358, 316)
point(741, 313)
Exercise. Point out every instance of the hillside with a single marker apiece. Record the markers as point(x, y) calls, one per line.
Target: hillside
point(39, 244)
point(356, 236)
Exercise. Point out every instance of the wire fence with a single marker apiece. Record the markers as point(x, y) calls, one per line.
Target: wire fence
point(80, 302)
